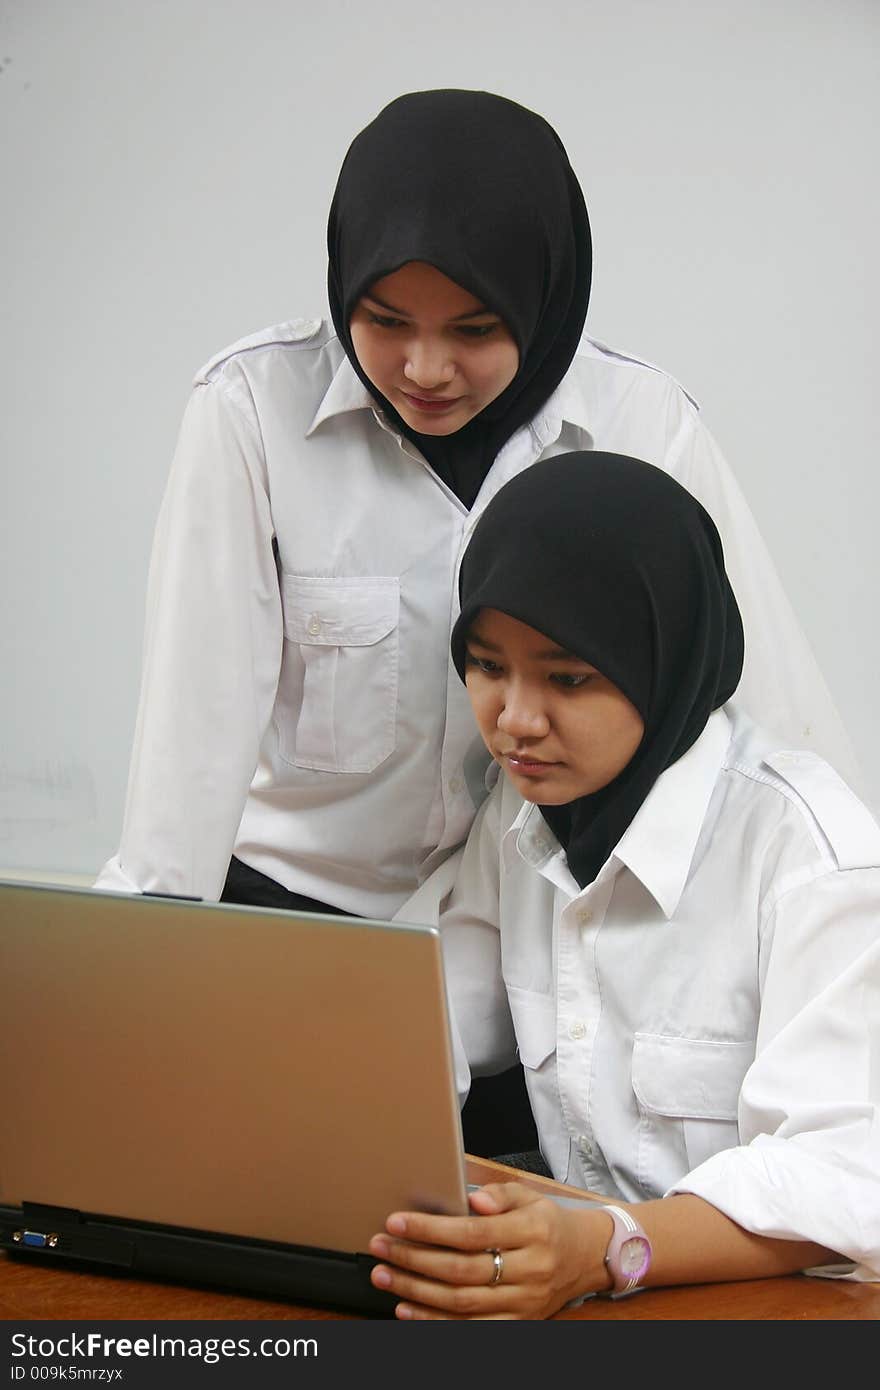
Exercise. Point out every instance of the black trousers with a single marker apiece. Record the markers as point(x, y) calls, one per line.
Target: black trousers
point(497, 1119)
point(249, 886)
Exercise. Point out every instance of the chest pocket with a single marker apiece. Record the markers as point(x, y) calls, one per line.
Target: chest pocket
point(687, 1092)
point(338, 702)
point(534, 1022)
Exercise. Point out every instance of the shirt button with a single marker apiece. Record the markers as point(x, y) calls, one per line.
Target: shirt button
point(314, 625)
point(455, 785)
point(577, 1031)
point(584, 916)
point(585, 1146)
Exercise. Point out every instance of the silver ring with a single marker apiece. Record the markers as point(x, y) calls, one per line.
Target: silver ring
point(497, 1267)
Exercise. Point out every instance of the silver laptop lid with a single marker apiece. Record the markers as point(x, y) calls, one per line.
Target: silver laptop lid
point(259, 1073)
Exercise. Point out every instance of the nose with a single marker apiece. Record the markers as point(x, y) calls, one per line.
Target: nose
point(522, 715)
point(428, 364)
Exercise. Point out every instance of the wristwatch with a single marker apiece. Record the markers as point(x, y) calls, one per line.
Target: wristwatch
point(628, 1257)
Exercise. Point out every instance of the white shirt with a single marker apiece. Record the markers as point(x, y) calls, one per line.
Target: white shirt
point(705, 1016)
point(306, 715)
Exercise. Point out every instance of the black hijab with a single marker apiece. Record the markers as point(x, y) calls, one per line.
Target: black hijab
point(482, 189)
point(616, 562)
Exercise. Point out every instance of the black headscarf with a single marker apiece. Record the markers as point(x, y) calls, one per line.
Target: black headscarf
point(615, 561)
point(482, 189)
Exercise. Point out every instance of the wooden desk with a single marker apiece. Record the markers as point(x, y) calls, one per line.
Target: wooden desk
point(32, 1292)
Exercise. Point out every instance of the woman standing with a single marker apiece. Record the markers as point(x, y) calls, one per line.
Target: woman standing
point(301, 736)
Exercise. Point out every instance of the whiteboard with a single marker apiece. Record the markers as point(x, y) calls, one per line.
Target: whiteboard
point(166, 174)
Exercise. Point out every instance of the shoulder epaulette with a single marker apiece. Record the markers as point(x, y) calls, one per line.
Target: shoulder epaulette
point(291, 333)
point(846, 822)
point(605, 351)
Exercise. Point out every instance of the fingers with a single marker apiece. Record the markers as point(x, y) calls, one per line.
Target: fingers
point(436, 1264)
point(459, 1286)
point(420, 1313)
point(498, 1262)
point(477, 1232)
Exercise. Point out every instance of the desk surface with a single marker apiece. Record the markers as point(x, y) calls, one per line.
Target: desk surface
point(31, 1292)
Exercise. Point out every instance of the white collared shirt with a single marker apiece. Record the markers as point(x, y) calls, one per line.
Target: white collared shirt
point(705, 1016)
point(305, 714)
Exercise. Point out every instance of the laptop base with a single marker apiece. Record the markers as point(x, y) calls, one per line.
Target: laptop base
point(59, 1236)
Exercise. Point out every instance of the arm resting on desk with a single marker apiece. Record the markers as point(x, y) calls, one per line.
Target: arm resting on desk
point(439, 1267)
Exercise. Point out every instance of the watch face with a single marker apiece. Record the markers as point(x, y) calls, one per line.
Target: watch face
point(634, 1257)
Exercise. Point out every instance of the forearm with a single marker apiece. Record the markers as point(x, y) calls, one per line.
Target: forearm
point(694, 1243)
point(554, 1252)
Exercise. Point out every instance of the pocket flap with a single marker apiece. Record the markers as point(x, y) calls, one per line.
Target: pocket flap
point(689, 1077)
point(339, 612)
point(534, 1022)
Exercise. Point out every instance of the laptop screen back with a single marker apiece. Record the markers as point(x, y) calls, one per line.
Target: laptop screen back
point(274, 1076)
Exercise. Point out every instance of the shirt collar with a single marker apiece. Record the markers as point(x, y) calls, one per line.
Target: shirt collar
point(659, 843)
point(567, 404)
point(345, 392)
point(530, 837)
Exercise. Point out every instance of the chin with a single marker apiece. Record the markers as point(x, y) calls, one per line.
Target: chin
point(543, 796)
point(434, 427)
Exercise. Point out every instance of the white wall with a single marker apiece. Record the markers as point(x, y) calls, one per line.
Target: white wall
point(166, 170)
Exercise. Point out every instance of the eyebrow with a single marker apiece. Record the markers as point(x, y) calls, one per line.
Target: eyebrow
point(547, 654)
point(402, 313)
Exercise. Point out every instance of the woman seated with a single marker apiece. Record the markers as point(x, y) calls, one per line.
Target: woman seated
point(671, 921)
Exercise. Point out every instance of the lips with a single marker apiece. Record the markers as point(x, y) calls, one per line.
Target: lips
point(431, 404)
point(527, 765)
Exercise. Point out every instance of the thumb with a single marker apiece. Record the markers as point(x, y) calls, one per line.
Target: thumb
point(496, 1197)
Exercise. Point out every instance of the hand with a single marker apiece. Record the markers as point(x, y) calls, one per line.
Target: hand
point(442, 1266)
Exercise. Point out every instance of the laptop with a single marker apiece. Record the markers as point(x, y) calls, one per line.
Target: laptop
point(218, 1094)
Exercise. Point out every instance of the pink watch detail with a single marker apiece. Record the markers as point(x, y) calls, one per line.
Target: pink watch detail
point(628, 1257)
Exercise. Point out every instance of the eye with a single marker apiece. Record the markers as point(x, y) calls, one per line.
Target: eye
point(476, 330)
point(383, 320)
point(569, 680)
point(482, 664)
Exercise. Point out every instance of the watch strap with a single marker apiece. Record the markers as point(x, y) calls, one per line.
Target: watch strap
point(626, 1279)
